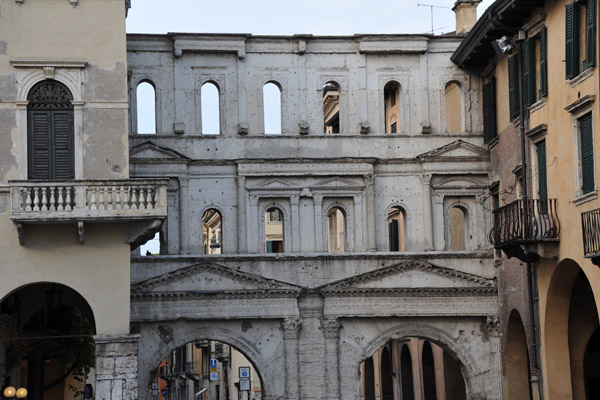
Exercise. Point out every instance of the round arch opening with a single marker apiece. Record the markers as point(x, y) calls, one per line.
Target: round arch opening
point(207, 369)
point(48, 346)
point(411, 368)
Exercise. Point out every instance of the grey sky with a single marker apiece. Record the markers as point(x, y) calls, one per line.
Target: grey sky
point(284, 17)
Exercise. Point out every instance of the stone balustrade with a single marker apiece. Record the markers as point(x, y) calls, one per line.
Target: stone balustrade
point(131, 199)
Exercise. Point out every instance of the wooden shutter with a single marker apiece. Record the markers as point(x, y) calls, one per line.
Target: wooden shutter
point(512, 87)
point(486, 113)
point(406, 374)
point(543, 62)
point(587, 154)
point(591, 37)
point(62, 131)
point(39, 144)
point(572, 40)
point(541, 170)
point(529, 72)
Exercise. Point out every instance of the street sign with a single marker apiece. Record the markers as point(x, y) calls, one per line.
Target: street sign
point(244, 372)
point(213, 363)
point(214, 376)
point(244, 385)
point(154, 385)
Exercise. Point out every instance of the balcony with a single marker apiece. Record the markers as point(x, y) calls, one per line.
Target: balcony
point(590, 223)
point(141, 203)
point(527, 229)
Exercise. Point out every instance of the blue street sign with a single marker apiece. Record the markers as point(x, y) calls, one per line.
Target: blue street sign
point(213, 363)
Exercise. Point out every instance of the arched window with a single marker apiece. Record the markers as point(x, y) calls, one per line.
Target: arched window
point(396, 228)
point(458, 233)
point(391, 99)
point(146, 107)
point(369, 379)
point(331, 108)
point(272, 108)
point(50, 132)
point(212, 237)
point(406, 374)
point(336, 229)
point(387, 377)
point(274, 230)
point(453, 100)
point(210, 109)
point(428, 373)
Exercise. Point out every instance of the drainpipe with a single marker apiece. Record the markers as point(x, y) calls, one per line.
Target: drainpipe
point(531, 266)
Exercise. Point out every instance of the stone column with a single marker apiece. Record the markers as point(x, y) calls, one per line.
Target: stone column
point(242, 246)
point(370, 212)
point(331, 333)
point(184, 217)
point(252, 219)
point(295, 203)
point(319, 241)
point(427, 212)
point(291, 332)
point(117, 367)
point(494, 391)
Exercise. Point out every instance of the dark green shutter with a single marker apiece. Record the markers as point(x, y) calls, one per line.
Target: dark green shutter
point(489, 110)
point(529, 80)
point(587, 153)
point(39, 144)
point(512, 87)
point(62, 144)
point(493, 124)
point(572, 40)
point(543, 62)
point(591, 37)
point(542, 175)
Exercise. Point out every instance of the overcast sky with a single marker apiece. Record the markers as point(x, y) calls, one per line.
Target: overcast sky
point(285, 17)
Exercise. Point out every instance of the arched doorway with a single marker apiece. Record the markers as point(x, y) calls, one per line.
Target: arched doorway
point(50, 349)
point(207, 369)
point(570, 325)
point(517, 359)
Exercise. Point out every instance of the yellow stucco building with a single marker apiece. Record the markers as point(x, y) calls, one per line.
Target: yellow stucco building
point(541, 124)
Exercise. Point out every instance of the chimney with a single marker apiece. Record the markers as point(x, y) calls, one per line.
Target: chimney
point(466, 15)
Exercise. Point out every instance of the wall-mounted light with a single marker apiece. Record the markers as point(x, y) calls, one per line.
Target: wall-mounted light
point(503, 46)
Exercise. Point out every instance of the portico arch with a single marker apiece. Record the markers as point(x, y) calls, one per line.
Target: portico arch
point(157, 340)
point(517, 359)
point(571, 317)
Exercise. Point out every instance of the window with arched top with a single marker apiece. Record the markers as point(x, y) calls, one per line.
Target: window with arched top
point(274, 238)
point(391, 99)
point(406, 374)
point(212, 236)
point(146, 107)
point(336, 230)
point(331, 108)
point(210, 109)
point(458, 228)
point(272, 108)
point(50, 132)
point(396, 228)
point(453, 112)
point(429, 388)
point(387, 375)
point(369, 379)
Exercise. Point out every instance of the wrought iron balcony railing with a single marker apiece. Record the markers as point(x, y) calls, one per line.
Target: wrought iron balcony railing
point(98, 201)
point(590, 222)
point(525, 221)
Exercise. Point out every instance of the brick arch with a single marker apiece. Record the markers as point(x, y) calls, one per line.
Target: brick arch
point(157, 343)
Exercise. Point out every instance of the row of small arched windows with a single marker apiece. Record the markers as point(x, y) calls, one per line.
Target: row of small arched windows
point(274, 233)
point(211, 114)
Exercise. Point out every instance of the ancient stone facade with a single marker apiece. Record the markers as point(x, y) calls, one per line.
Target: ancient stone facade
point(303, 312)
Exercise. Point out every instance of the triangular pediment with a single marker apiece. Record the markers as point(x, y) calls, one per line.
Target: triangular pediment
point(273, 184)
point(209, 279)
point(149, 150)
point(455, 151)
point(335, 182)
point(412, 274)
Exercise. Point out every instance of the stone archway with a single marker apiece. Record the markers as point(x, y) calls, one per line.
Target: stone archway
point(479, 366)
point(261, 342)
point(517, 359)
point(571, 317)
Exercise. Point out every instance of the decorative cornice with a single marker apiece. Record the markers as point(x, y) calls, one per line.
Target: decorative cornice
point(578, 104)
point(411, 292)
point(214, 295)
point(47, 63)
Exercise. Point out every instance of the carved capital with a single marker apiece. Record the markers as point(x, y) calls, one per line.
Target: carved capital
point(330, 327)
point(291, 328)
point(493, 323)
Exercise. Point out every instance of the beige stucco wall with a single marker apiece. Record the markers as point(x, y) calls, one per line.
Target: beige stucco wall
point(98, 270)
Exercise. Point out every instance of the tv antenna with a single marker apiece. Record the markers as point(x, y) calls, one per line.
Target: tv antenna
point(431, 7)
